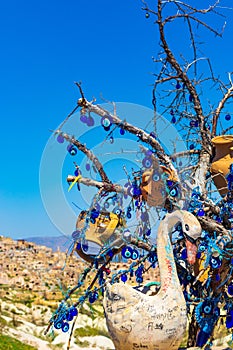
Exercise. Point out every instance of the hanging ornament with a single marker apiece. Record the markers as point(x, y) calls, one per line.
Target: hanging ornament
point(60, 138)
point(124, 278)
point(192, 123)
point(65, 327)
point(90, 121)
point(173, 120)
point(106, 122)
point(215, 262)
point(230, 289)
point(227, 117)
point(229, 319)
point(88, 167)
point(127, 252)
point(147, 162)
point(83, 116)
point(201, 212)
point(72, 150)
point(172, 112)
point(135, 254)
point(111, 139)
point(178, 86)
point(147, 15)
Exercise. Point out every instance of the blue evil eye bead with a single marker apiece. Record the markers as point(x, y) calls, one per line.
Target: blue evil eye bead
point(65, 327)
point(130, 190)
point(217, 277)
point(73, 311)
point(148, 232)
point(129, 215)
point(174, 191)
point(127, 252)
point(215, 262)
point(202, 338)
point(200, 212)
point(72, 150)
point(122, 131)
point(79, 246)
point(76, 235)
point(178, 86)
point(110, 253)
point(117, 211)
point(90, 121)
point(207, 308)
point(88, 167)
point(58, 324)
point(190, 98)
point(152, 257)
point(111, 139)
point(124, 278)
point(69, 316)
point(92, 220)
point(184, 254)
point(173, 120)
point(83, 118)
point(229, 319)
point(227, 117)
point(60, 138)
point(148, 153)
point(230, 289)
point(77, 172)
point(191, 146)
point(152, 134)
point(85, 246)
point(202, 247)
point(156, 176)
point(139, 279)
point(147, 162)
point(134, 255)
point(106, 122)
point(93, 297)
point(95, 213)
point(172, 112)
point(192, 123)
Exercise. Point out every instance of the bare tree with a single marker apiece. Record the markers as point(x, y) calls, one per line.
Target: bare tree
point(178, 92)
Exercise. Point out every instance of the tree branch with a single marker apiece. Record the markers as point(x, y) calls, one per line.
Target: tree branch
point(89, 154)
point(140, 133)
point(228, 94)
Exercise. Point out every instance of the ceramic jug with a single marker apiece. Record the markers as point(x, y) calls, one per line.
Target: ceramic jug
point(153, 186)
point(222, 160)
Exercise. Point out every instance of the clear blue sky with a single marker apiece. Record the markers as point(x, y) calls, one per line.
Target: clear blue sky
point(45, 47)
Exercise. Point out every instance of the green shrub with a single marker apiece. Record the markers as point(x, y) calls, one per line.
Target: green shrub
point(89, 332)
point(8, 343)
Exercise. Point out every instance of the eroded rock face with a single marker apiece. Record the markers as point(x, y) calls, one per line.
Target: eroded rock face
point(138, 321)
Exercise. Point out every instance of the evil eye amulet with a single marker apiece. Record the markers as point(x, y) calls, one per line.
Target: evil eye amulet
point(134, 255)
point(127, 252)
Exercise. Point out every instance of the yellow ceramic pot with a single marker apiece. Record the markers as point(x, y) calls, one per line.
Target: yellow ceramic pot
point(223, 159)
point(103, 228)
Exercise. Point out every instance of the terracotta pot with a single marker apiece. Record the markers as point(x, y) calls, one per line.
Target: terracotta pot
point(153, 187)
point(223, 159)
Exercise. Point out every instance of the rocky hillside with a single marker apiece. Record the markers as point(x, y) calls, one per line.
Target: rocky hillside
point(31, 282)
